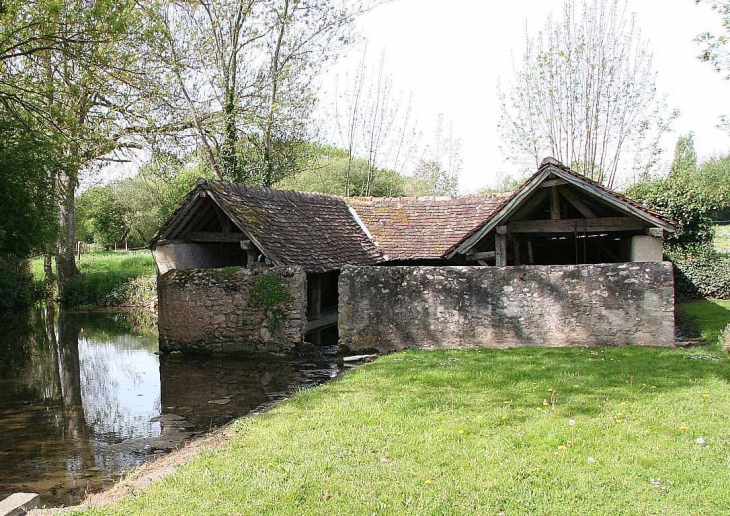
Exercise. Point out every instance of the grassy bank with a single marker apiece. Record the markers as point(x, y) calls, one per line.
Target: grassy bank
point(480, 432)
point(109, 279)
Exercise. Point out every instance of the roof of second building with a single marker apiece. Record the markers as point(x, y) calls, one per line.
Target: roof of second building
point(413, 228)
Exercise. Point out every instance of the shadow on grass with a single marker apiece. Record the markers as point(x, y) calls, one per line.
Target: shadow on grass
point(583, 378)
point(711, 317)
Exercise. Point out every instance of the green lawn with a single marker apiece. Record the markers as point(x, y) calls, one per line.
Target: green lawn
point(118, 278)
point(481, 432)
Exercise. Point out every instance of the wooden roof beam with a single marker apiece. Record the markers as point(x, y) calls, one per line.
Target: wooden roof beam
point(579, 205)
point(607, 224)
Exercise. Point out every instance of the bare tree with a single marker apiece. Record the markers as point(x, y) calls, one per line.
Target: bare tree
point(586, 94)
point(375, 122)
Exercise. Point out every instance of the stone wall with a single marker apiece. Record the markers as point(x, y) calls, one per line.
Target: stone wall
point(232, 309)
point(391, 308)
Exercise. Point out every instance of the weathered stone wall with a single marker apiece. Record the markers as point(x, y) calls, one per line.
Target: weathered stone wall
point(232, 309)
point(391, 308)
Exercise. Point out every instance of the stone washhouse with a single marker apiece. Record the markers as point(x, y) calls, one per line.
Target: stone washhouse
point(561, 261)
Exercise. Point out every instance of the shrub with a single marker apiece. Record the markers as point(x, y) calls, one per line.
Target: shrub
point(681, 201)
point(17, 287)
point(699, 275)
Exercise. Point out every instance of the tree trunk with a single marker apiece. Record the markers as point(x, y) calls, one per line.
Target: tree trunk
point(66, 256)
point(49, 277)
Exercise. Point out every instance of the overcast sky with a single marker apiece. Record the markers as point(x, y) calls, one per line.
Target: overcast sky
point(451, 53)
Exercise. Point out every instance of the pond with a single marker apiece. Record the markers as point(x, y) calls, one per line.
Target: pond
point(84, 398)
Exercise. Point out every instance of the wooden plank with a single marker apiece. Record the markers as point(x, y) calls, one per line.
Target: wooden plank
point(577, 203)
point(209, 236)
point(181, 216)
point(18, 504)
point(504, 214)
point(199, 219)
point(533, 202)
point(500, 246)
point(553, 182)
point(530, 253)
point(554, 203)
point(618, 203)
point(486, 255)
point(606, 224)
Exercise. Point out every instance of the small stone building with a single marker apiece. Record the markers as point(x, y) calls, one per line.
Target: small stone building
point(556, 218)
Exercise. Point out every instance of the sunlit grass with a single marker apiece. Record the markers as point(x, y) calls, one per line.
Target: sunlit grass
point(108, 279)
point(722, 239)
point(480, 432)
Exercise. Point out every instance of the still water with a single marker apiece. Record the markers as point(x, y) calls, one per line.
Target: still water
point(84, 398)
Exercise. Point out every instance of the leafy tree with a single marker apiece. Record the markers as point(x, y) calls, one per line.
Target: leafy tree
point(27, 203)
point(430, 178)
point(586, 95)
point(685, 157)
point(103, 216)
point(27, 206)
point(244, 71)
point(336, 172)
point(78, 74)
point(716, 49)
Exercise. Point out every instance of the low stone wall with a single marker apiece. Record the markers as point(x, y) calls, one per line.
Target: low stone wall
point(232, 309)
point(392, 308)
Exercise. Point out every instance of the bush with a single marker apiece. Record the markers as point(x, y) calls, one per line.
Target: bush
point(701, 275)
point(17, 287)
point(681, 201)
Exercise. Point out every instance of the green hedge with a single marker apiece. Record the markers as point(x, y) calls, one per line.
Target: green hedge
point(701, 276)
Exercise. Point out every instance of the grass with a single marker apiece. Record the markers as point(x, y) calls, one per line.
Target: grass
point(118, 278)
point(722, 239)
point(480, 432)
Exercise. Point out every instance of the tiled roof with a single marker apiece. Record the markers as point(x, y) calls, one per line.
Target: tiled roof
point(322, 232)
point(315, 231)
point(410, 228)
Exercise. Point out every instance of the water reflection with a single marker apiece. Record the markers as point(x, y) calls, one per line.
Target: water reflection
point(83, 397)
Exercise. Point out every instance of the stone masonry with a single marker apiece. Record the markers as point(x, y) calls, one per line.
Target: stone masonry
point(211, 310)
point(392, 308)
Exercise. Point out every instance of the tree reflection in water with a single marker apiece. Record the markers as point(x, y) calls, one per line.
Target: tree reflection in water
point(83, 397)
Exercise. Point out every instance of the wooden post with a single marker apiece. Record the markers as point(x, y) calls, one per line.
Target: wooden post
point(250, 258)
point(500, 246)
point(530, 253)
point(78, 250)
point(315, 310)
point(554, 203)
point(516, 245)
